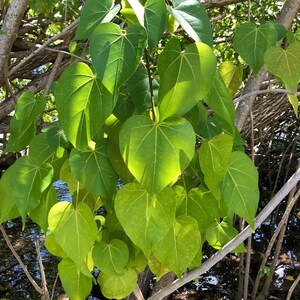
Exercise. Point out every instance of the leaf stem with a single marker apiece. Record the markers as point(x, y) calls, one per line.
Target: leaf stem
point(154, 116)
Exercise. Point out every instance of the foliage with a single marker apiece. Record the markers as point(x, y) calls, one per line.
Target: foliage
point(133, 113)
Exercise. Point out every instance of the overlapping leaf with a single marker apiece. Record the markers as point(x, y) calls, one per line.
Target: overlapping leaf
point(93, 13)
point(214, 157)
point(93, 169)
point(23, 122)
point(251, 42)
point(185, 77)
point(174, 251)
point(65, 219)
point(285, 63)
point(83, 104)
point(116, 53)
point(146, 219)
point(191, 15)
point(240, 187)
point(156, 153)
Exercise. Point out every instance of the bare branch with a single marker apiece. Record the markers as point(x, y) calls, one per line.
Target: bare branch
point(219, 3)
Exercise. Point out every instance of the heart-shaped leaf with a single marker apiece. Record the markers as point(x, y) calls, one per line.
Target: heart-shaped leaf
point(155, 21)
point(173, 251)
point(240, 187)
point(29, 179)
point(185, 77)
point(93, 169)
point(146, 219)
point(192, 16)
point(156, 153)
point(111, 258)
point(251, 42)
point(285, 64)
point(214, 157)
point(83, 104)
point(118, 286)
point(93, 13)
point(116, 53)
point(65, 219)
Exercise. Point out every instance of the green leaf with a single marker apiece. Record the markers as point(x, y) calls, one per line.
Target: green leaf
point(76, 284)
point(2, 32)
point(157, 268)
point(285, 64)
point(156, 153)
point(53, 246)
point(65, 219)
point(124, 108)
point(232, 76)
point(93, 169)
point(111, 258)
point(174, 251)
point(146, 219)
point(93, 13)
point(240, 187)
point(185, 77)
point(201, 205)
point(251, 42)
point(23, 122)
point(93, 201)
point(155, 21)
point(8, 208)
point(214, 157)
point(83, 104)
point(29, 179)
point(139, 10)
point(116, 53)
point(219, 234)
point(139, 90)
point(118, 286)
point(40, 214)
point(192, 16)
point(219, 100)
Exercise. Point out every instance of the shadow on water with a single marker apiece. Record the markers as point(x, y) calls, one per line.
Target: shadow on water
point(221, 282)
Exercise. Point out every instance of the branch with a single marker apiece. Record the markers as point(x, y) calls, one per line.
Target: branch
point(266, 91)
point(285, 17)
point(219, 3)
point(10, 26)
point(208, 264)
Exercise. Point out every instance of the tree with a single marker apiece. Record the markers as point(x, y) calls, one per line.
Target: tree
point(140, 98)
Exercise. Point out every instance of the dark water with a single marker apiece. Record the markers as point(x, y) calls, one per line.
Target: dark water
point(219, 283)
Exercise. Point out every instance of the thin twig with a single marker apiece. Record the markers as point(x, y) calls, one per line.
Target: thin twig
point(208, 264)
point(138, 293)
point(40, 48)
point(291, 290)
point(54, 285)
point(32, 281)
point(266, 91)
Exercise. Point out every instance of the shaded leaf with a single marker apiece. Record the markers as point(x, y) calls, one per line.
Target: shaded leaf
point(156, 153)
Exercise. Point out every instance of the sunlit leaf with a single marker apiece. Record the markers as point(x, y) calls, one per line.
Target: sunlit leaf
point(116, 53)
point(65, 219)
point(156, 153)
point(185, 77)
point(232, 76)
point(83, 104)
point(118, 286)
point(75, 283)
point(174, 251)
point(112, 257)
point(285, 64)
point(146, 219)
point(251, 42)
point(192, 16)
point(240, 187)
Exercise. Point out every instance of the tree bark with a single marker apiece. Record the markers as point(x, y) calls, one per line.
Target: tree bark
point(10, 26)
point(285, 17)
point(219, 3)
